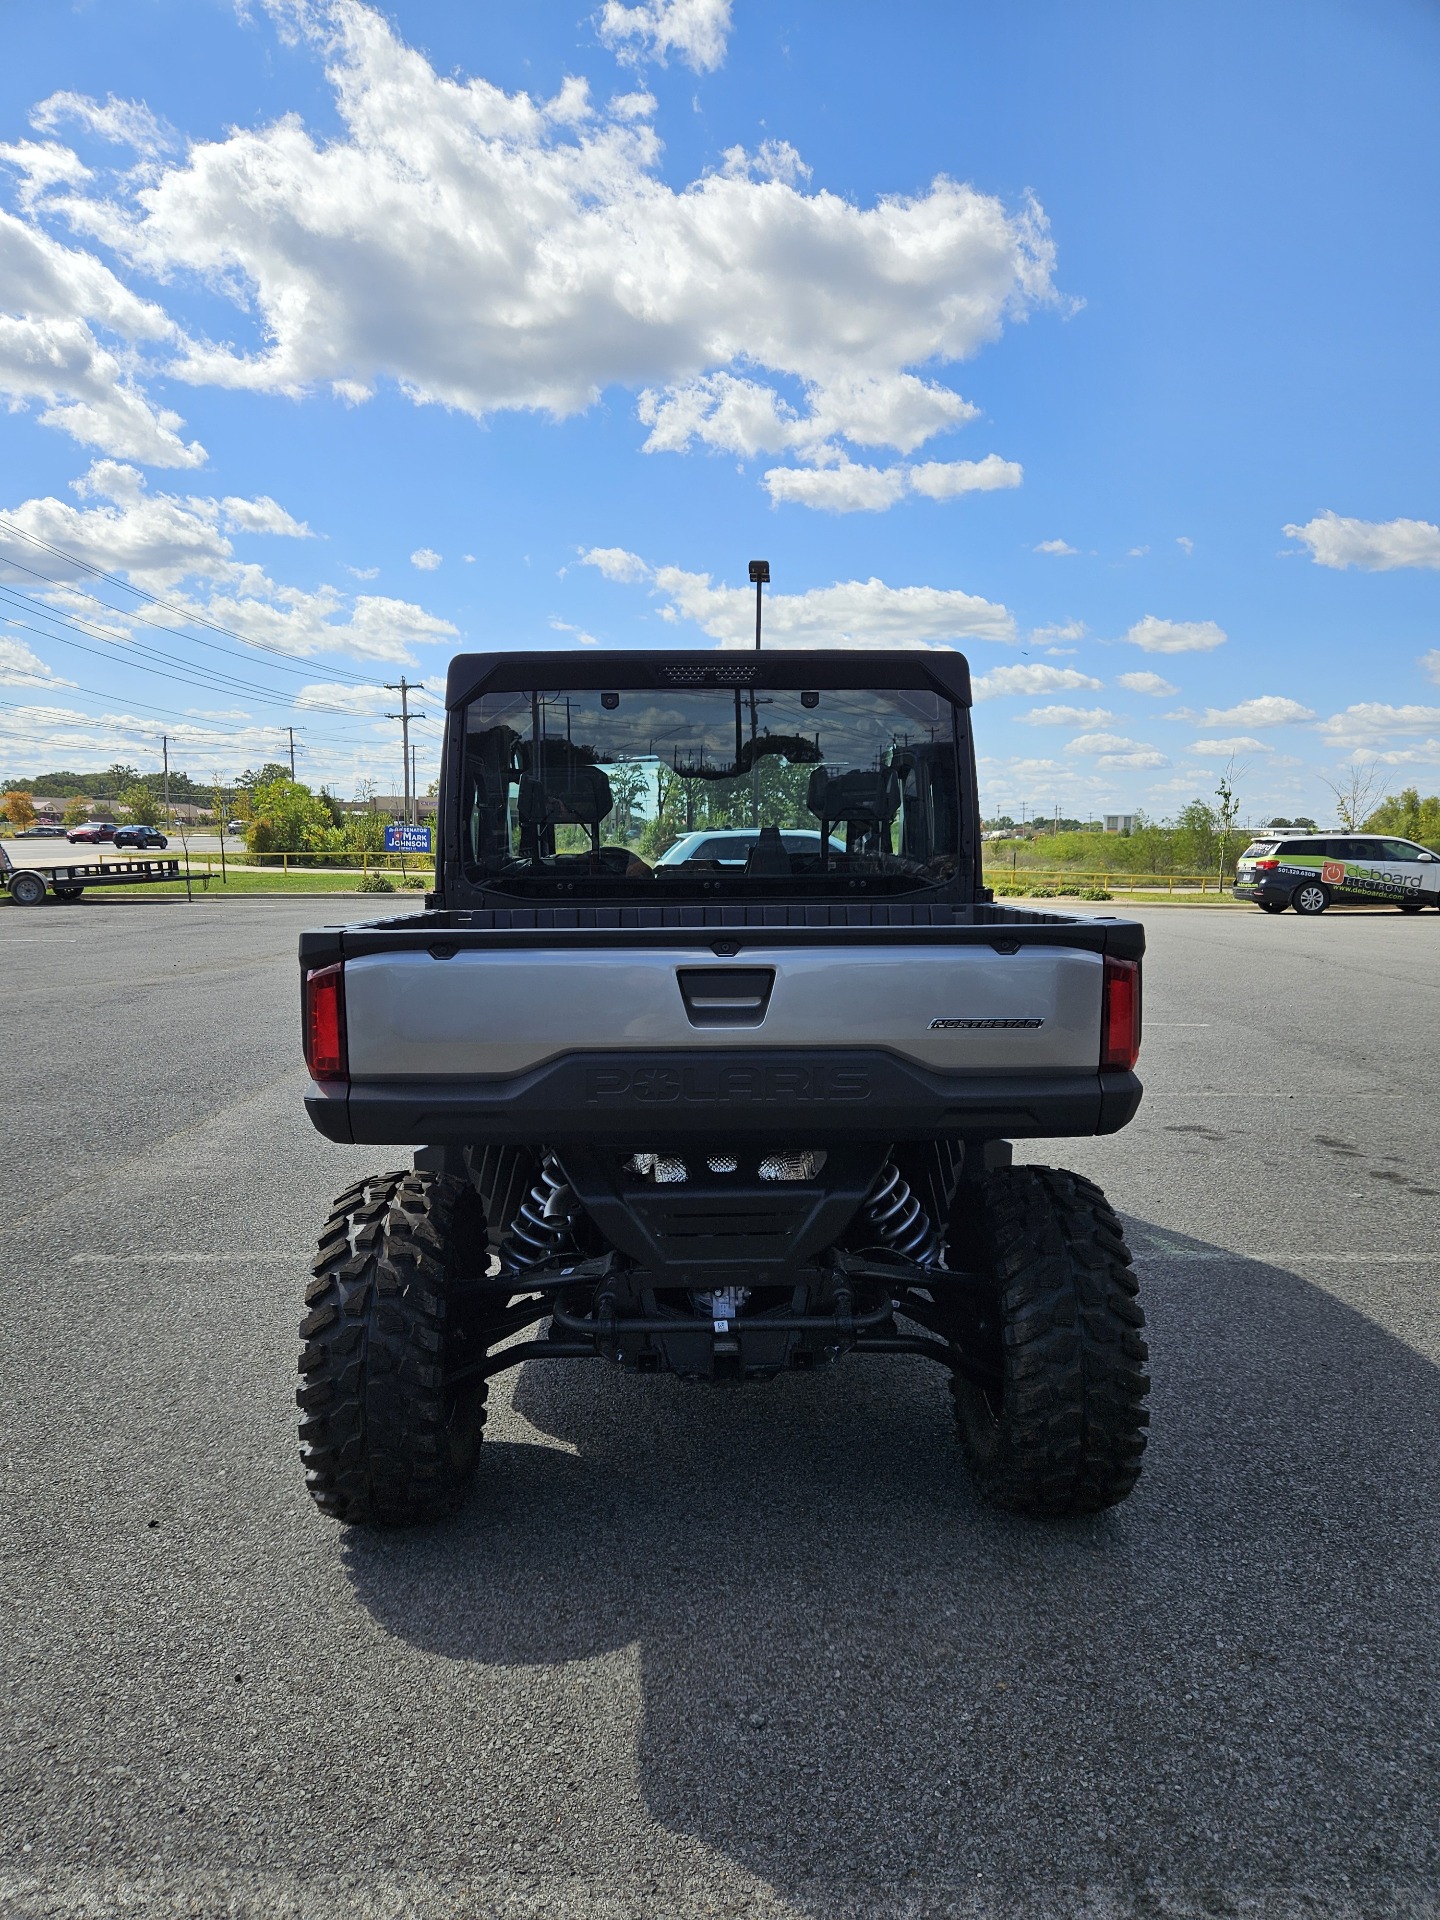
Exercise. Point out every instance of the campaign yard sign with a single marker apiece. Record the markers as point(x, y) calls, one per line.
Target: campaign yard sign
point(407, 839)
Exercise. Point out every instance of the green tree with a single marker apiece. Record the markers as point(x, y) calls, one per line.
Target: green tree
point(269, 775)
point(1407, 815)
point(19, 809)
point(286, 817)
point(77, 813)
point(140, 803)
point(1228, 812)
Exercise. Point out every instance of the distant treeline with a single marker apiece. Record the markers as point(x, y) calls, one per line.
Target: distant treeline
point(111, 783)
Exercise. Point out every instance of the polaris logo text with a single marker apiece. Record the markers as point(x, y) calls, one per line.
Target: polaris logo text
point(725, 1086)
point(937, 1026)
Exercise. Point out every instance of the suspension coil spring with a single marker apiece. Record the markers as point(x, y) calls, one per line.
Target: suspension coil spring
point(544, 1225)
point(900, 1220)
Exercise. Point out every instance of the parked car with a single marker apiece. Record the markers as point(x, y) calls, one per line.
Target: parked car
point(732, 846)
point(92, 833)
point(141, 837)
point(235, 826)
point(1312, 872)
point(41, 832)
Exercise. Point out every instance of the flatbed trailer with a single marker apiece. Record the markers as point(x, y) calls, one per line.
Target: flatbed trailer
point(32, 886)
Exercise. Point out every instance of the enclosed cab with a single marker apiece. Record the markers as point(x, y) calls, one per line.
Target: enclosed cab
point(711, 1045)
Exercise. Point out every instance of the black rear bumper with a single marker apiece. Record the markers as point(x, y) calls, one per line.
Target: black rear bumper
point(739, 1092)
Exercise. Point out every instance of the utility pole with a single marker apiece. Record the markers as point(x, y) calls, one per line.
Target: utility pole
point(165, 749)
point(292, 731)
point(415, 782)
point(405, 688)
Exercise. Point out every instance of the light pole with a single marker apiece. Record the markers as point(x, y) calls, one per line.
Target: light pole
point(760, 577)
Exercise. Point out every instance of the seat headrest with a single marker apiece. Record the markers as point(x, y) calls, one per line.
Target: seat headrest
point(573, 795)
point(860, 797)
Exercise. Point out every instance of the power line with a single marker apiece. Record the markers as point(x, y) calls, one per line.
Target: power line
point(205, 678)
point(151, 599)
point(165, 626)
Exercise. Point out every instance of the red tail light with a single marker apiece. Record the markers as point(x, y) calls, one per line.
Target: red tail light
point(1120, 1016)
point(1266, 866)
point(325, 1051)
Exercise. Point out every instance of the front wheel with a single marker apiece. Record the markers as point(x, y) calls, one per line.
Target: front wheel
point(68, 894)
point(1310, 898)
point(392, 1410)
point(1050, 1407)
point(1411, 906)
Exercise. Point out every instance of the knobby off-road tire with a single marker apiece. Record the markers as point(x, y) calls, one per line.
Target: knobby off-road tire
point(1057, 1325)
point(385, 1437)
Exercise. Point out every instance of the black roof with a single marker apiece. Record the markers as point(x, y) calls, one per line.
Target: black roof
point(944, 673)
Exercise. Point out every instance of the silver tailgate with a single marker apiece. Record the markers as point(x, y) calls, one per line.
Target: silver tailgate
point(411, 1015)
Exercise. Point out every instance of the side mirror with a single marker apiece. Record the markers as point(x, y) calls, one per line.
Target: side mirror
point(1426, 856)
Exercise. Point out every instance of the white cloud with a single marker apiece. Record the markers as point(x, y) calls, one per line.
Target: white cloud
point(1377, 545)
point(179, 548)
point(846, 488)
point(585, 639)
point(264, 515)
point(1371, 721)
point(366, 701)
point(362, 573)
point(128, 123)
point(486, 251)
point(69, 337)
point(1175, 636)
point(1066, 717)
point(746, 417)
point(1150, 683)
point(1136, 553)
point(694, 30)
point(1238, 743)
point(1056, 547)
point(1265, 710)
point(616, 563)
point(1032, 680)
point(1062, 630)
point(426, 559)
point(1115, 751)
point(1185, 544)
point(1426, 755)
point(852, 613)
point(943, 479)
point(19, 667)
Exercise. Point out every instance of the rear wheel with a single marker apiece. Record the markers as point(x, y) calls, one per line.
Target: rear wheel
point(27, 889)
point(1051, 1417)
point(390, 1427)
point(1310, 898)
point(68, 894)
point(1411, 906)
point(1272, 906)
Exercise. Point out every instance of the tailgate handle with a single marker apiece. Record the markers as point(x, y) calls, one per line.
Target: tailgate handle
point(725, 996)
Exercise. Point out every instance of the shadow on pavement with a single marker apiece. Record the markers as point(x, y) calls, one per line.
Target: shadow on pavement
point(856, 1677)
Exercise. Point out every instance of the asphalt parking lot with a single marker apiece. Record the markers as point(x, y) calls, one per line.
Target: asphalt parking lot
point(753, 1652)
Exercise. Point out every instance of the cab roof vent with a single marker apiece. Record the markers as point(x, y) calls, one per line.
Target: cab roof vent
point(721, 673)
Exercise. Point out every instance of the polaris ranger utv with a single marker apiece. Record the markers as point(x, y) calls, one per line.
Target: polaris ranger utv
point(727, 1114)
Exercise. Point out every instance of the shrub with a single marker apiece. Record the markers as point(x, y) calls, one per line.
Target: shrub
point(376, 883)
point(1094, 893)
point(414, 884)
point(1043, 893)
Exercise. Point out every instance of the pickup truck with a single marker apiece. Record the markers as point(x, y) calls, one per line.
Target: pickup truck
point(722, 1119)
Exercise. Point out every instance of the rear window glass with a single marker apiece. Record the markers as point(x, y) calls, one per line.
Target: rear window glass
point(1257, 849)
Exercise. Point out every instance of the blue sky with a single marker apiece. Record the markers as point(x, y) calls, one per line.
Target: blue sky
point(1098, 342)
